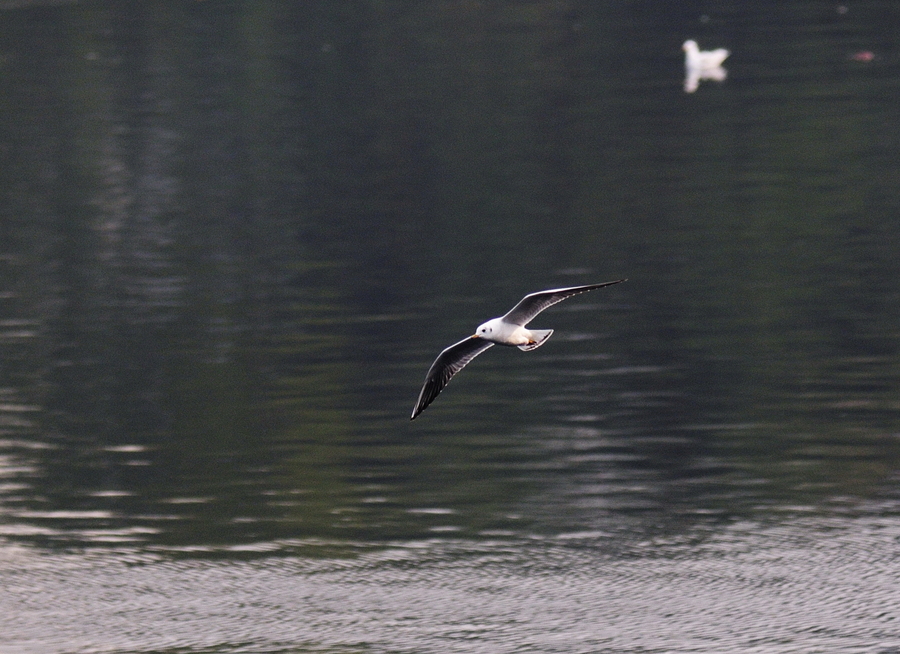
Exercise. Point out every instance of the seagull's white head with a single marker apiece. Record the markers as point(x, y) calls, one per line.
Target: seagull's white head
point(690, 46)
point(489, 330)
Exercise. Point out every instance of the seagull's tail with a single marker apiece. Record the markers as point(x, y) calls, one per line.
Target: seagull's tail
point(540, 337)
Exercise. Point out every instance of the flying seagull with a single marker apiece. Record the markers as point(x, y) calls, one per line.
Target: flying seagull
point(505, 330)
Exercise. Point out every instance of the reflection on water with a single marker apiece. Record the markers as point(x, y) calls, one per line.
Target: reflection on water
point(746, 587)
point(233, 238)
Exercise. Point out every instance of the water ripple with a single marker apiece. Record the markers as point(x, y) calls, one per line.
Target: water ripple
point(806, 585)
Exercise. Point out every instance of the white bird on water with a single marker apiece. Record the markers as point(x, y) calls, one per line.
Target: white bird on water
point(505, 330)
point(702, 64)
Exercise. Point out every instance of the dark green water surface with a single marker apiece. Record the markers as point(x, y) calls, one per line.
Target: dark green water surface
point(234, 236)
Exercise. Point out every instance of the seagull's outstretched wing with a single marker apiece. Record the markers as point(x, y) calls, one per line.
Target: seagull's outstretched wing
point(532, 304)
point(448, 363)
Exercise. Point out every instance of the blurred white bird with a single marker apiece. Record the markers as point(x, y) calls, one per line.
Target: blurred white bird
point(702, 64)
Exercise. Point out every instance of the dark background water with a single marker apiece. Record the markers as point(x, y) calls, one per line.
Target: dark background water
point(234, 235)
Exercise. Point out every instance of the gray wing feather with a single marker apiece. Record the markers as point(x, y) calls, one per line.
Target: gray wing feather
point(532, 304)
point(448, 363)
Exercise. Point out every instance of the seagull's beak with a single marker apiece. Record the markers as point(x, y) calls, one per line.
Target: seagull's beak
point(475, 336)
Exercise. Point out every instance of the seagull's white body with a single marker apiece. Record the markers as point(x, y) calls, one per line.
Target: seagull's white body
point(695, 58)
point(702, 64)
point(507, 330)
point(502, 332)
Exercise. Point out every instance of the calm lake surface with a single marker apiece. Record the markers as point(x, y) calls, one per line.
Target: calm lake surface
point(234, 236)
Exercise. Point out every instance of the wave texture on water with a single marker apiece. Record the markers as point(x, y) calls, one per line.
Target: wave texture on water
point(747, 588)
